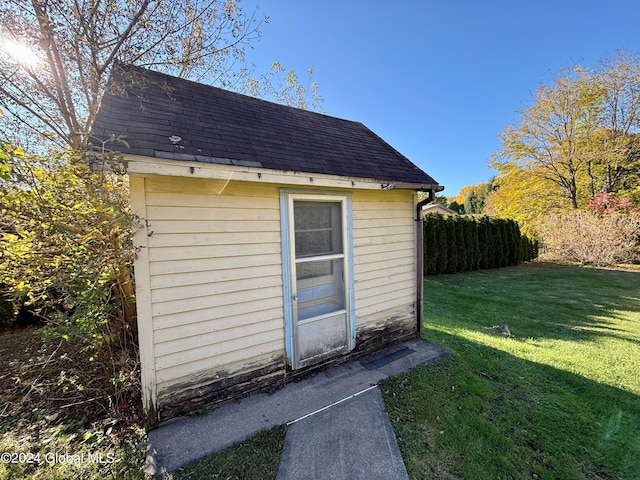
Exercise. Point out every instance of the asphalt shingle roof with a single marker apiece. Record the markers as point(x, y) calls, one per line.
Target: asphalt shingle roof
point(168, 117)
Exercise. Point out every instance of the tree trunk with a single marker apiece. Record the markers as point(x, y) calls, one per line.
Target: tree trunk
point(573, 190)
point(592, 185)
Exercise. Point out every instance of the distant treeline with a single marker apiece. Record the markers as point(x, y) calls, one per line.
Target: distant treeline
point(454, 243)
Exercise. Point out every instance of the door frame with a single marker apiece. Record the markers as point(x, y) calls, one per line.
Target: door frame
point(287, 197)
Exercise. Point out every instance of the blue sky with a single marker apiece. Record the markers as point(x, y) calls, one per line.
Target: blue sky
point(438, 80)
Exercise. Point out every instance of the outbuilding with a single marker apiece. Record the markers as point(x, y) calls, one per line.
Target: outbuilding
point(437, 208)
point(275, 240)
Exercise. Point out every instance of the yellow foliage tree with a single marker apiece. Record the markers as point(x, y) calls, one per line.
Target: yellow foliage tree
point(580, 136)
point(551, 138)
point(462, 194)
point(522, 195)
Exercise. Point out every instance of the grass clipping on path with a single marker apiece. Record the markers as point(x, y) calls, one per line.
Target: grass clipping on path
point(255, 458)
point(557, 398)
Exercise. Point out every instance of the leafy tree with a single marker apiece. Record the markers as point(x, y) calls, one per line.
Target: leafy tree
point(65, 232)
point(55, 59)
point(69, 230)
point(474, 197)
point(67, 253)
point(456, 207)
point(606, 203)
point(580, 136)
point(288, 90)
point(462, 194)
point(524, 196)
point(551, 137)
point(616, 165)
point(471, 202)
point(441, 200)
point(449, 203)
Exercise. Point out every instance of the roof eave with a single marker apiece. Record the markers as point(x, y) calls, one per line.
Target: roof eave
point(145, 165)
point(422, 187)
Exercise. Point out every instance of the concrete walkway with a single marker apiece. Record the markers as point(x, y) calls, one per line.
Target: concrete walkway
point(351, 440)
point(338, 425)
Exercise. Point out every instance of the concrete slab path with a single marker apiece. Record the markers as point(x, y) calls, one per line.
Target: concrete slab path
point(183, 441)
point(353, 440)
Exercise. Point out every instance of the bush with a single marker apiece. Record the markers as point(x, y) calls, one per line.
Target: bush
point(484, 242)
point(472, 237)
point(66, 253)
point(455, 244)
point(440, 247)
point(589, 238)
point(431, 239)
point(460, 245)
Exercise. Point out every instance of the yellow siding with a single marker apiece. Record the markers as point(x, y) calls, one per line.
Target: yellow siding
point(228, 311)
point(213, 254)
point(207, 366)
point(384, 257)
point(215, 276)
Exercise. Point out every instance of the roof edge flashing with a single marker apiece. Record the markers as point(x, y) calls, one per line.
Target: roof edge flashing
point(188, 157)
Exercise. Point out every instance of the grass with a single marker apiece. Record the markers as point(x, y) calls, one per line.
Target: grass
point(558, 399)
point(257, 458)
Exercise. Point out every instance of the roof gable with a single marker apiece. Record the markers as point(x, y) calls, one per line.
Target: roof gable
point(167, 117)
point(438, 208)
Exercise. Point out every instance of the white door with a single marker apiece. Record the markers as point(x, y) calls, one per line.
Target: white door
point(319, 290)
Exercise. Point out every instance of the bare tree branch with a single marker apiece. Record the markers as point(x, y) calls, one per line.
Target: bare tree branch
point(79, 41)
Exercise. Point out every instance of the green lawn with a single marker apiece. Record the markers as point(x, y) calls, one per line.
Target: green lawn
point(560, 399)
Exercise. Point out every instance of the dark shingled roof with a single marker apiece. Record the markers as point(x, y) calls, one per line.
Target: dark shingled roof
point(168, 117)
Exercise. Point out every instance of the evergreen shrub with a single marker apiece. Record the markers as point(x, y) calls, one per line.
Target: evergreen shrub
point(454, 243)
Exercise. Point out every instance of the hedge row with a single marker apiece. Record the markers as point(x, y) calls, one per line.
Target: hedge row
point(454, 243)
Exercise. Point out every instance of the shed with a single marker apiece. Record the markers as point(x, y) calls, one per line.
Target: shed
point(438, 208)
point(276, 240)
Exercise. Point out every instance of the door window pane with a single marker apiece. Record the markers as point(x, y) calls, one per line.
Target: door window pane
point(320, 287)
point(314, 269)
point(318, 228)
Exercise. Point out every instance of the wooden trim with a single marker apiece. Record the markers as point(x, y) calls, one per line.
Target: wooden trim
point(289, 262)
point(137, 164)
point(286, 277)
point(143, 300)
point(350, 273)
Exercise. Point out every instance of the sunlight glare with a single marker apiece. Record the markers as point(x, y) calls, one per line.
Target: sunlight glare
point(19, 53)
